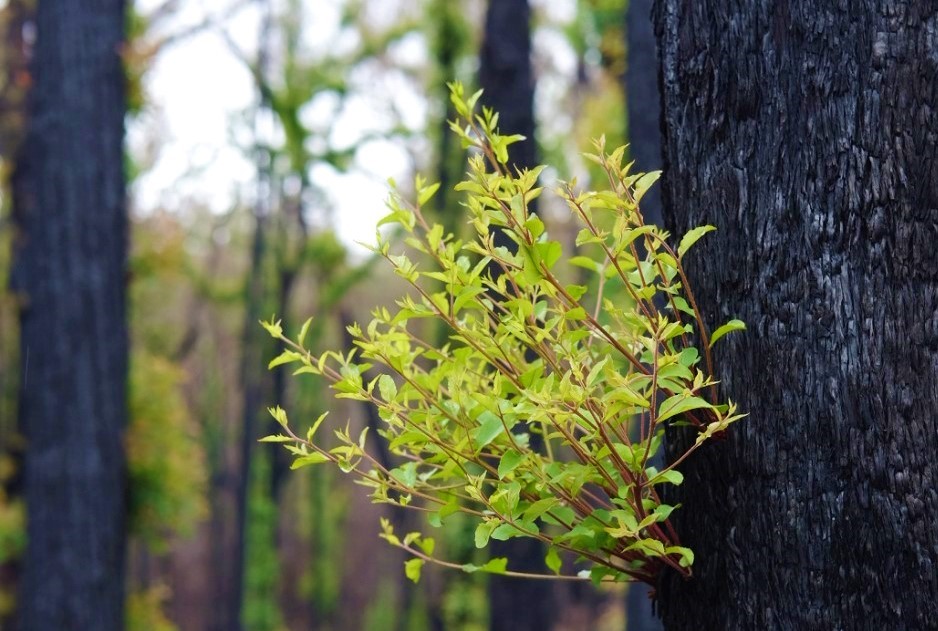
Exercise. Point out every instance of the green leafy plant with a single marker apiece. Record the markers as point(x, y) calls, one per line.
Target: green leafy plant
point(522, 419)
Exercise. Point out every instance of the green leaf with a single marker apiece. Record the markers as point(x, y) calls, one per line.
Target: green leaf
point(273, 328)
point(553, 560)
point(279, 438)
point(689, 356)
point(672, 476)
point(576, 291)
point(279, 415)
point(310, 459)
point(692, 237)
point(680, 403)
point(663, 511)
point(599, 573)
point(577, 313)
point(535, 225)
point(497, 565)
point(643, 183)
point(508, 531)
point(490, 427)
point(483, 532)
point(412, 569)
point(509, 462)
point(549, 252)
point(687, 555)
point(387, 387)
point(427, 544)
point(286, 357)
point(540, 507)
point(427, 193)
point(312, 430)
point(585, 262)
point(729, 327)
point(303, 331)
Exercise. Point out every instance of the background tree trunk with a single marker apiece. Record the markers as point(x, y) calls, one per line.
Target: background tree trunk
point(643, 103)
point(506, 75)
point(70, 276)
point(806, 131)
point(643, 109)
point(255, 383)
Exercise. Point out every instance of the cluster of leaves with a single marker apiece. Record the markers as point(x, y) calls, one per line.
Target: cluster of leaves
point(522, 419)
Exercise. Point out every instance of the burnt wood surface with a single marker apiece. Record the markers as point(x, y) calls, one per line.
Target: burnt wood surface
point(806, 131)
point(70, 279)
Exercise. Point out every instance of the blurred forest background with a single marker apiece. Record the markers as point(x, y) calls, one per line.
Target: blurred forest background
point(260, 134)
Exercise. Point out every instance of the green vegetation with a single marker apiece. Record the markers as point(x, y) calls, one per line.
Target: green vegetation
point(521, 420)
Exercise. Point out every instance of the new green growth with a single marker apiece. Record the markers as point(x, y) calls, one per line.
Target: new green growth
point(539, 415)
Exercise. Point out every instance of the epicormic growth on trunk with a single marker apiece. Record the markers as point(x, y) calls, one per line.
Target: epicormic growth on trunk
point(532, 358)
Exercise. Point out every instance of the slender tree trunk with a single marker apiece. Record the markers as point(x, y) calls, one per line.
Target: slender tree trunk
point(252, 368)
point(252, 384)
point(807, 132)
point(643, 103)
point(643, 107)
point(506, 75)
point(70, 276)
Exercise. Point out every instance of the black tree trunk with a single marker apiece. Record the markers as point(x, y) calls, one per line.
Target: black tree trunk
point(506, 75)
point(70, 278)
point(807, 132)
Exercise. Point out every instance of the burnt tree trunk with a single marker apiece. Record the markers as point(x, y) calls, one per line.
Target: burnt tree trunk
point(506, 75)
point(806, 131)
point(70, 278)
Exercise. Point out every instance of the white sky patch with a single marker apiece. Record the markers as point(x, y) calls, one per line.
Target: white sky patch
point(195, 137)
point(201, 96)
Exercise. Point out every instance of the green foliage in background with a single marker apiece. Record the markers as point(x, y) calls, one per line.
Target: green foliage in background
point(262, 567)
point(168, 477)
point(167, 472)
point(145, 610)
point(521, 420)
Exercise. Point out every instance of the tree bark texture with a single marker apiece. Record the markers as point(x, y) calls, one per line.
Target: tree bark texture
point(70, 278)
point(807, 132)
point(506, 75)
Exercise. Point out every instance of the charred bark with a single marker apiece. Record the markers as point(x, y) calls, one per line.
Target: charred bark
point(70, 277)
point(806, 131)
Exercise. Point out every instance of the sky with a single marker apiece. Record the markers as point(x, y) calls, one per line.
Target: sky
point(198, 93)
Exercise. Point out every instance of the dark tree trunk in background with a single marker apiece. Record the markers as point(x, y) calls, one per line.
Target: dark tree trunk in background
point(643, 104)
point(807, 132)
point(70, 278)
point(254, 379)
point(643, 109)
point(506, 75)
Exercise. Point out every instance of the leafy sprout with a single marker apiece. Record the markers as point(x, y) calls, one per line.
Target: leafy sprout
point(540, 414)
